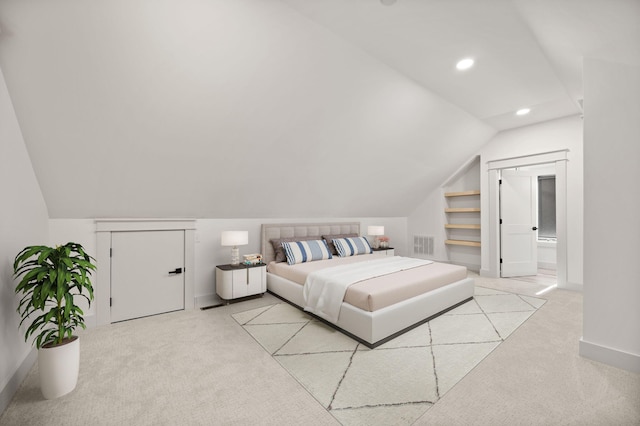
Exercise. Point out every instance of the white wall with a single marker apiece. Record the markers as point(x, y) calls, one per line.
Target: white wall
point(23, 222)
point(611, 322)
point(547, 255)
point(428, 219)
point(208, 251)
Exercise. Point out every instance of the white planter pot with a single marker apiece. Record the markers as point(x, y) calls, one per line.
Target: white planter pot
point(59, 367)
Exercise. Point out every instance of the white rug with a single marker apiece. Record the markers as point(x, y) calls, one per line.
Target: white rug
point(398, 381)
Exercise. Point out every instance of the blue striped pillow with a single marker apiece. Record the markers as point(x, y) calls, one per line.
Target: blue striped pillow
point(352, 246)
point(306, 251)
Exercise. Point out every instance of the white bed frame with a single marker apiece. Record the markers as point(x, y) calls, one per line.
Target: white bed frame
point(370, 328)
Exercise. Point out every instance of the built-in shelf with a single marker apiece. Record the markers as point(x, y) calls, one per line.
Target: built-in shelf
point(468, 243)
point(462, 193)
point(461, 226)
point(463, 243)
point(462, 216)
point(462, 210)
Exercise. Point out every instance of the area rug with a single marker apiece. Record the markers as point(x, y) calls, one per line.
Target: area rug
point(397, 382)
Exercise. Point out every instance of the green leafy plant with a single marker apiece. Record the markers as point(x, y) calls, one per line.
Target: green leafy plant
point(51, 277)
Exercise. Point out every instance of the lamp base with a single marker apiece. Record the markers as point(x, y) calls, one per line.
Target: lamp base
point(376, 243)
point(235, 256)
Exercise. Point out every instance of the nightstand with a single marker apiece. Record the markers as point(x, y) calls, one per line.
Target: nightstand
point(389, 251)
point(233, 282)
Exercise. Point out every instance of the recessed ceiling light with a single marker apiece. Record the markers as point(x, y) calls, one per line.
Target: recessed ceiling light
point(465, 64)
point(523, 111)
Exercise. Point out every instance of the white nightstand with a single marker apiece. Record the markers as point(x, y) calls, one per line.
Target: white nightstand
point(233, 282)
point(388, 251)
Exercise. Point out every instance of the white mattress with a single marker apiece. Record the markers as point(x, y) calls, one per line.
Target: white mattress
point(377, 293)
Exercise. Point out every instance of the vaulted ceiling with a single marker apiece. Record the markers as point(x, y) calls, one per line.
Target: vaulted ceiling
point(284, 108)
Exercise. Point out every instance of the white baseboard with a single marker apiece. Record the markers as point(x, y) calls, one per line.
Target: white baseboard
point(207, 300)
point(573, 287)
point(610, 356)
point(547, 265)
point(487, 273)
point(90, 321)
point(16, 380)
point(469, 266)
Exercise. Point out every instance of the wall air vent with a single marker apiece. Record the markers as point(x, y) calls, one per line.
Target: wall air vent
point(423, 245)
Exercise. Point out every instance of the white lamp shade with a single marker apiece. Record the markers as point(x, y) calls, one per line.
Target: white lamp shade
point(235, 238)
point(375, 230)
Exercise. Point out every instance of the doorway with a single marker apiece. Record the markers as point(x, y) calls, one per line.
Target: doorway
point(105, 228)
point(557, 161)
point(528, 234)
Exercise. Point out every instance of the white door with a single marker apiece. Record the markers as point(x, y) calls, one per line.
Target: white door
point(146, 273)
point(518, 230)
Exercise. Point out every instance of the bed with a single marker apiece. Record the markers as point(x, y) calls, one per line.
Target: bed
point(371, 312)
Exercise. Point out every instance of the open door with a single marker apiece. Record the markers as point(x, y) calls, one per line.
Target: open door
point(518, 236)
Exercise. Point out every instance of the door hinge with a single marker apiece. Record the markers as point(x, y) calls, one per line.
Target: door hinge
point(110, 252)
point(110, 301)
point(500, 182)
point(500, 221)
point(500, 260)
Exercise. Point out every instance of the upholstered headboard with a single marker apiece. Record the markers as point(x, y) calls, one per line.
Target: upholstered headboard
point(289, 230)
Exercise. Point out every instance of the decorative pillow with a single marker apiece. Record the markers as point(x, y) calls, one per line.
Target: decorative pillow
point(280, 256)
point(306, 251)
point(352, 246)
point(329, 239)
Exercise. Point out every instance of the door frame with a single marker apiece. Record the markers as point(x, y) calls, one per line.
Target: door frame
point(104, 227)
point(559, 158)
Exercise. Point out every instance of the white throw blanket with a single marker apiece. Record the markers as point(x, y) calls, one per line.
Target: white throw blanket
point(324, 290)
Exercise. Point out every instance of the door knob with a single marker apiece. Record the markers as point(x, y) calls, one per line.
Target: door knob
point(176, 271)
point(535, 228)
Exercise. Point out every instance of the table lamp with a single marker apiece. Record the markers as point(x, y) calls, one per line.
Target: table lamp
point(235, 239)
point(375, 231)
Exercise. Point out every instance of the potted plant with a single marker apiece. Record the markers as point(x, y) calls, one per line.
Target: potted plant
point(50, 279)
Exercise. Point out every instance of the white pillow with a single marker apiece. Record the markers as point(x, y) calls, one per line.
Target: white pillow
point(352, 246)
point(306, 251)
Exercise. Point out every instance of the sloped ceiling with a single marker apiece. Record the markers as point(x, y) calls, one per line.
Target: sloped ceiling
point(292, 108)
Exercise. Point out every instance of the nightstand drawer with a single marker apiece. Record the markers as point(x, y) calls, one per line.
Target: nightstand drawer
point(233, 282)
point(388, 251)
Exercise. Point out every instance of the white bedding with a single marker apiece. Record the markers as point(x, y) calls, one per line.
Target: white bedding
point(324, 290)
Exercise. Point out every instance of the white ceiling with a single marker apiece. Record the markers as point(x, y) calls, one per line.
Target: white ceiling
point(528, 53)
point(289, 108)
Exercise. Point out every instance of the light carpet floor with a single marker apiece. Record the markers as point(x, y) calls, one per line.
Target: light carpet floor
point(201, 368)
point(399, 380)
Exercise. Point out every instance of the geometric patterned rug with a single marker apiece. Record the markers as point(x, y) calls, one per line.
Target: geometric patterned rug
point(398, 381)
